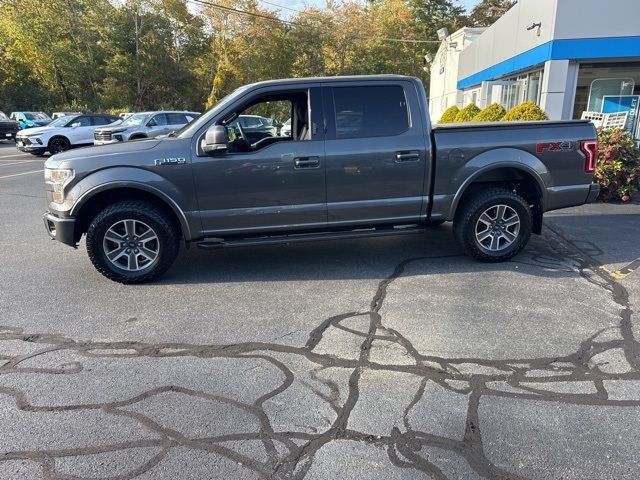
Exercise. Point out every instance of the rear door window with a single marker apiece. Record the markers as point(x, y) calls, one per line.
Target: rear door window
point(100, 121)
point(177, 118)
point(375, 111)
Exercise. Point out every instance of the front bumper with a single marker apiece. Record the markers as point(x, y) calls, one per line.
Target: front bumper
point(105, 142)
point(61, 229)
point(28, 146)
point(594, 191)
point(7, 134)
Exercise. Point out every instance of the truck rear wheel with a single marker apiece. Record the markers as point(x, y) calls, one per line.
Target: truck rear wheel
point(132, 242)
point(493, 225)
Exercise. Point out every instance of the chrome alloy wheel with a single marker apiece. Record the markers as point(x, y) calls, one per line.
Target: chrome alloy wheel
point(497, 228)
point(131, 245)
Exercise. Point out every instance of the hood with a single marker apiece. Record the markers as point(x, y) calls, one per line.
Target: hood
point(91, 158)
point(112, 128)
point(28, 132)
point(39, 122)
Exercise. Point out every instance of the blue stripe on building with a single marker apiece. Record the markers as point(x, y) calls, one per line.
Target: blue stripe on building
point(568, 49)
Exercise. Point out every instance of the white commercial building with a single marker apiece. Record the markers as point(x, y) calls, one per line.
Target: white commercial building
point(568, 56)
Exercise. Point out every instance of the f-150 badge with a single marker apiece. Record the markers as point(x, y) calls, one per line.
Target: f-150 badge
point(169, 161)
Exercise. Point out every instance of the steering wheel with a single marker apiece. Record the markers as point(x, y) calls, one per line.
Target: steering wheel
point(241, 132)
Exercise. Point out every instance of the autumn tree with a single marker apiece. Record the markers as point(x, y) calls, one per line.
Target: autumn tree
point(488, 11)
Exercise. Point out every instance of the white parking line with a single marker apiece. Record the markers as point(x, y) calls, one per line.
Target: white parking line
point(23, 173)
point(16, 155)
point(18, 163)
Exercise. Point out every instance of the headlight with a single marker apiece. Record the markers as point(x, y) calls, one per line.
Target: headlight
point(58, 178)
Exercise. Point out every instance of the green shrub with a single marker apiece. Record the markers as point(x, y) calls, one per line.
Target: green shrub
point(467, 113)
point(449, 115)
point(493, 113)
point(527, 111)
point(618, 169)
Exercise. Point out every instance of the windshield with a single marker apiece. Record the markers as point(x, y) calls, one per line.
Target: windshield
point(192, 127)
point(3, 116)
point(62, 121)
point(135, 120)
point(36, 116)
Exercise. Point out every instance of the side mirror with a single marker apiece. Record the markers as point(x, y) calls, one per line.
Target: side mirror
point(75, 125)
point(215, 140)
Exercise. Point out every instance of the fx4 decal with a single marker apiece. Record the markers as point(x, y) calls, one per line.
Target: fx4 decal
point(554, 147)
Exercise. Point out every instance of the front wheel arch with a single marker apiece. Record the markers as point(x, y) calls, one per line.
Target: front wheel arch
point(91, 206)
point(58, 137)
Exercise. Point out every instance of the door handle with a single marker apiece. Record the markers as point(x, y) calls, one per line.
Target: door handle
point(407, 157)
point(306, 162)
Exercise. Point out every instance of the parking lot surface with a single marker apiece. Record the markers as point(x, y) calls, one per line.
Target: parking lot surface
point(387, 358)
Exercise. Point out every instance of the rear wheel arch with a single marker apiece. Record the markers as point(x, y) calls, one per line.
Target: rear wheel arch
point(520, 180)
point(97, 200)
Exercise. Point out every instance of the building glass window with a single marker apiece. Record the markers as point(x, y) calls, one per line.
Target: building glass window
point(600, 85)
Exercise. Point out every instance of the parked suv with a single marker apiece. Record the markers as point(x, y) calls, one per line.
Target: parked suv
point(62, 134)
point(8, 128)
point(31, 119)
point(143, 125)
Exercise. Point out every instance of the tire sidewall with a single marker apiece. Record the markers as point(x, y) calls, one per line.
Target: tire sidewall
point(521, 208)
point(95, 238)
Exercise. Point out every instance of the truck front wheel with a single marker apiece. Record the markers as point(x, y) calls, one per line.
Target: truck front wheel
point(493, 225)
point(132, 242)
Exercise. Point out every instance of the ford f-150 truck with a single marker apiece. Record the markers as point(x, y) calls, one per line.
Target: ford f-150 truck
point(362, 160)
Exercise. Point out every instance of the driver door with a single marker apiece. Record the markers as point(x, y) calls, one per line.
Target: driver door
point(275, 184)
point(80, 132)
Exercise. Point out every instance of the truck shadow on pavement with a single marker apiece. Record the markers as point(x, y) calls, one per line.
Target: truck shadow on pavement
point(355, 259)
point(289, 452)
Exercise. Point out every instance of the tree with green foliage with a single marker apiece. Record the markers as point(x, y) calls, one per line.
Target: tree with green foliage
point(487, 12)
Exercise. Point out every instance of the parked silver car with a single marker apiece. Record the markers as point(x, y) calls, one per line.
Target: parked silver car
point(143, 125)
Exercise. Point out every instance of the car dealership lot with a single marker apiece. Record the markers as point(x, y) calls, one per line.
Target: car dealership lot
point(379, 358)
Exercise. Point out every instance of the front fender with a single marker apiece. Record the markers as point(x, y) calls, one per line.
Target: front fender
point(135, 178)
point(493, 160)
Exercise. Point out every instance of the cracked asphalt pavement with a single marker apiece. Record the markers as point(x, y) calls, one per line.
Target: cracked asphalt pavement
point(387, 358)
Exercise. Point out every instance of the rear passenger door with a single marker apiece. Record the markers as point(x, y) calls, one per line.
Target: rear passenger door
point(375, 153)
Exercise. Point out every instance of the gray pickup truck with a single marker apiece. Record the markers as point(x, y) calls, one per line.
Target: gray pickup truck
point(362, 160)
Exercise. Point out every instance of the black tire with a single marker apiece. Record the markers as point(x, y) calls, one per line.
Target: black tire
point(165, 229)
point(38, 153)
point(468, 215)
point(58, 145)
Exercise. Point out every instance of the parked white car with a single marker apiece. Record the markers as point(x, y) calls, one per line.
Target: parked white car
point(62, 134)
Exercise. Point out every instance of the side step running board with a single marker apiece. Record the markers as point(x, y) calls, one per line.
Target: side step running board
point(307, 237)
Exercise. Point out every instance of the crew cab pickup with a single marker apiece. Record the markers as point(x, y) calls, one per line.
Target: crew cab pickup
point(362, 160)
